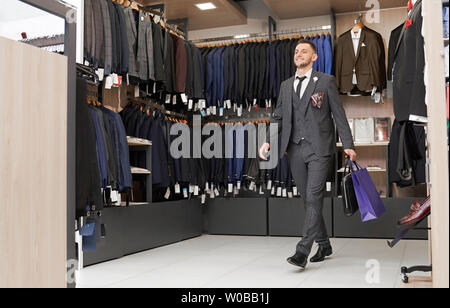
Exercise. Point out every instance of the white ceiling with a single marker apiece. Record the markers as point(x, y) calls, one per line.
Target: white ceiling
point(13, 10)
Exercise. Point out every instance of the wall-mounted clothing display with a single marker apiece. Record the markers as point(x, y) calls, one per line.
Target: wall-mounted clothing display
point(127, 42)
point(250, 74)
point(360, 62)
point(408, 71)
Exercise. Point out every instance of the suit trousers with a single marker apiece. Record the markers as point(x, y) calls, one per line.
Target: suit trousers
point(310, 174)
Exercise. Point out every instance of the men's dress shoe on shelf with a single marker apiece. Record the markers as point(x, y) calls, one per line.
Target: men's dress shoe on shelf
point(417, 212)
point(298, 259)
point(414, 206)
point(321, 254)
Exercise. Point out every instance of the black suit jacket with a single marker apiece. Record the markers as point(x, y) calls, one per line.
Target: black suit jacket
point(321, 131)
point(409, 63)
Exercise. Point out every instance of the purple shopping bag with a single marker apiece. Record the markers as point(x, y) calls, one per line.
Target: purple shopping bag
point(369, 201)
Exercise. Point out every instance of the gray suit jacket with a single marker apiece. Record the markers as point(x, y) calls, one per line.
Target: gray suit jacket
point(132, 36)
point(320, 122)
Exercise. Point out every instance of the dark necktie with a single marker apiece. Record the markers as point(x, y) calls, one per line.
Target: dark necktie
point(299, 86)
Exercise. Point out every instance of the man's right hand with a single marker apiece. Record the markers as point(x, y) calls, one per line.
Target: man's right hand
point(264, 150)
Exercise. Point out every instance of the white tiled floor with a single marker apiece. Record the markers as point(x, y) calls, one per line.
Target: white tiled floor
point(255, 262)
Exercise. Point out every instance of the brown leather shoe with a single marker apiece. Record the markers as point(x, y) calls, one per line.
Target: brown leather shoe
point(414, 207)
point(418, 211)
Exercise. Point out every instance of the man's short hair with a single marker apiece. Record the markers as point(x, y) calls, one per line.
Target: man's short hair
point(303, 41)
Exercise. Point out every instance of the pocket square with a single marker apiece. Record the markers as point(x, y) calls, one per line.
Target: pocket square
point(363, 45)
point(317, 99)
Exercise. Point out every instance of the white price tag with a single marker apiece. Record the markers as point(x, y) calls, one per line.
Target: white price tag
point(230, 187)
point(167, 195)
point(261, 192)
point(208, 111)
point(239, 185)
point(212, 195)
point(228, 104)
point(290, 196)
point(191, 189)
point(279, 192)
point(252, 184)
point(328, 186)
point(174, 100)
point(184, 98)
point(207, 186)
point(284, 192)
point(234, 107)
point(295, 191)
point(177, 188)
point(154, 87)
point(191, 102)
point(195, 106)
point(115, 78)
point(216, 191)
point(214, 110)
point(203, 199)
point(221, 112)
point(236, 191)
point(255, 101)
point(185, 192)
point(239, 111)
point(136, 91)
point(269, 185)
point(109, 82)
point(101, 74)
point(272, 192)
point(168, 98)
point(114, 196)
point(196, 190)
point(270, 103)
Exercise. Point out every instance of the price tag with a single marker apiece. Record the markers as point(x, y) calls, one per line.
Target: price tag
point(270, 103)
point(236, 191)
point(228, 104)
point(114, 196)
point(212, 195)
point(272, 192)
point(202, 104)
point(128, 80)
point(230, 187)
point(184, 98)
point(328, 186)
point(168, 98)
point(101, 74)
point(177, 188)
point(214, 110)
point(279, 192)
point(216, 191)
point(239, 185)
point(191, 102)
point(221, 112)
point(136, 91)
point(207, 186)
point(284, 192)
point(154, 87)
point(174, 100)
point(109, 82)
point(195, 106)
point(295, 191)
point(255, 101)
point(185, 192)
point(234, 107)
point(252, 184)
point(269, 185)
point(196, 190)
point(290, 196)
point(208, 111)
point(239, 111)
point(203, 199)
point(167, 195)
point(261, 192)
point(191, 189)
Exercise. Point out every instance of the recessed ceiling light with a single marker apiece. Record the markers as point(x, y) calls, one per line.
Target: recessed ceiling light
point(206, 6)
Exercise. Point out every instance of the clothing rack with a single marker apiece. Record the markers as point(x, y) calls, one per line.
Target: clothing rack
point(45, 41)
point(263, 35)
point(152, 103)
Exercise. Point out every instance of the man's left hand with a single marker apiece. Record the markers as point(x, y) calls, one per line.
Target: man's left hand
point(351, 153)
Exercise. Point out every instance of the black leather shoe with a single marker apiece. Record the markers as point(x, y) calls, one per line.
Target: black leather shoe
point(298, 259)
point(321, 254)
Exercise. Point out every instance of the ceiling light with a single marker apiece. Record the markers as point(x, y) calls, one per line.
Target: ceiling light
point(206, 6)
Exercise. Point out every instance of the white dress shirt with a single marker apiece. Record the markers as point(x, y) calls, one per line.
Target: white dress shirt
point(356, 36)
point(304, 84)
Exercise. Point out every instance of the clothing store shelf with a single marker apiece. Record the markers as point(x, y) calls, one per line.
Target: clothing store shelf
point(136, 170)
point(367, 144)
point(368, 169)
point(138, 142)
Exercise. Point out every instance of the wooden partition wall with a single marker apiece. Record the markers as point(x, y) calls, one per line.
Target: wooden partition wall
point(33, 166)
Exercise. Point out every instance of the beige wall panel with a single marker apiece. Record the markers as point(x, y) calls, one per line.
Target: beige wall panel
point(33, 164)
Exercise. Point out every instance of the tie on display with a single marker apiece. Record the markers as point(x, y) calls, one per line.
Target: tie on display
point(299, 86)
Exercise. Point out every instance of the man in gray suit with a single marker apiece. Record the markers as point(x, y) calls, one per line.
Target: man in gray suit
point(303, 114)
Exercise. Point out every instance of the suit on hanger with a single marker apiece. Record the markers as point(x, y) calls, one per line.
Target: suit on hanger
point(393, 42)
point(158, 53)
point(409, 63)
point(132, 36)
point(366, 62)
point(125, 48)
point(99, 36)
point(328, 51)
point(180, 64)
point(107, 36)
point(308, 136)
point(169, 65)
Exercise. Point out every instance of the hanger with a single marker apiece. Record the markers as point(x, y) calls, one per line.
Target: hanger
point(358, 24)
